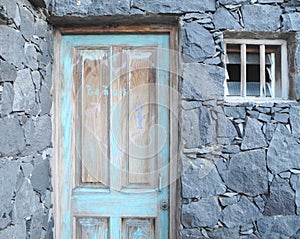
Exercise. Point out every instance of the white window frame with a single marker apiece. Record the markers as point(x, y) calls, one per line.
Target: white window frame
point(284, 69)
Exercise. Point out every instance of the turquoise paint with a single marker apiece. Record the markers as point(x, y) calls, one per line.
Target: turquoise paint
point(111, 203)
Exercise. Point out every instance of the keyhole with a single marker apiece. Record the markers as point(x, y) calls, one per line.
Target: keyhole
point(164, 205)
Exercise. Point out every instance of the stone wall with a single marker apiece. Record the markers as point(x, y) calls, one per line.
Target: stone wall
point(240, 162)
point(25, 123)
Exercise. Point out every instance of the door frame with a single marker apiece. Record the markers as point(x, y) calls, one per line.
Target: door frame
point(56, 166)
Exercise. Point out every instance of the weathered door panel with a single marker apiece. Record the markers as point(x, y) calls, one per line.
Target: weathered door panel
point(115, 137)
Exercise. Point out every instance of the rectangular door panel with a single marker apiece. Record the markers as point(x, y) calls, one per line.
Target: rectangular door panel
point(92, 228)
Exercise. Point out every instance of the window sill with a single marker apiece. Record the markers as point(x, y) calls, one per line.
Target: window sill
point(256, 100)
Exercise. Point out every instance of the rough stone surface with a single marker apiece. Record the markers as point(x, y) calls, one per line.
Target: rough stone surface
point(169, 6)
point(267, 18)
point(38, 134)
point(284, 151)
point(295, 122)
point(40, 178)
point(205, 212)
point(295, 183)
point(8, 180)
point(278, 227)
point(11, 52)
point(235, 112)
point(7, 72)
point(202, 82)
point(25, 55)
point(253, 137)
point(223, 19)
point(87, 7)
point(241, 213)
point(7, 98)
point(13, 142)
point(227, 2)
point(201, 179)
point(24, 99)
point(27, 202)
point(247, 173)
point(14, 232)
point(197, 128)
point(198, 43)
point(46, 100)
point(225, 128)
point(291, 21)
point(225, 233)
point(281, 200)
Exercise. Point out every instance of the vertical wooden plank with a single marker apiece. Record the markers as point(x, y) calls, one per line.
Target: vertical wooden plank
point(243, 70)
point(262, 70)
point(284, 72)
point(95, 77)
point(142, 115)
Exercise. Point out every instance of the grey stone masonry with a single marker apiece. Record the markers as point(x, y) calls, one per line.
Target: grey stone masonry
point(25, 122)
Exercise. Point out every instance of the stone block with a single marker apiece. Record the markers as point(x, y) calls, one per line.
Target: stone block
point(229, 2)
point(278, 227)
point(224, 233)
point(12, 141)
point(7, 98)
point(13, 52)
point(291, 21)
point(242, 213)
point(8, 180)
point(14, 232)
point(281, 118)
point(270, 1)
point(247, 173)
point(198, 43)
point(295, 120)
point(27, 22)
point(31, 56)
point(40, 178)
point(201, 179)
point(191, 234)
point(24, 99)
point(46, 100)
point(38, 134)
point(225, 128)
point(27, 202)
point(295, 182)
point(197, 128)
point(7, 71)
point(281, 200)
point(253, 137)
point(204, 213)
point(284, 151)
point(235, 112)
point(92, 8)
point(171, 6)
point(261, 17)
point(202, 82)
point(223, 19)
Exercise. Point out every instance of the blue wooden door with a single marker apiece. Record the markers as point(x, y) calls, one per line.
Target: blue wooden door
point(115, 136)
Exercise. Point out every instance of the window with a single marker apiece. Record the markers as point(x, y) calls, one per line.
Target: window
point(256, 69)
